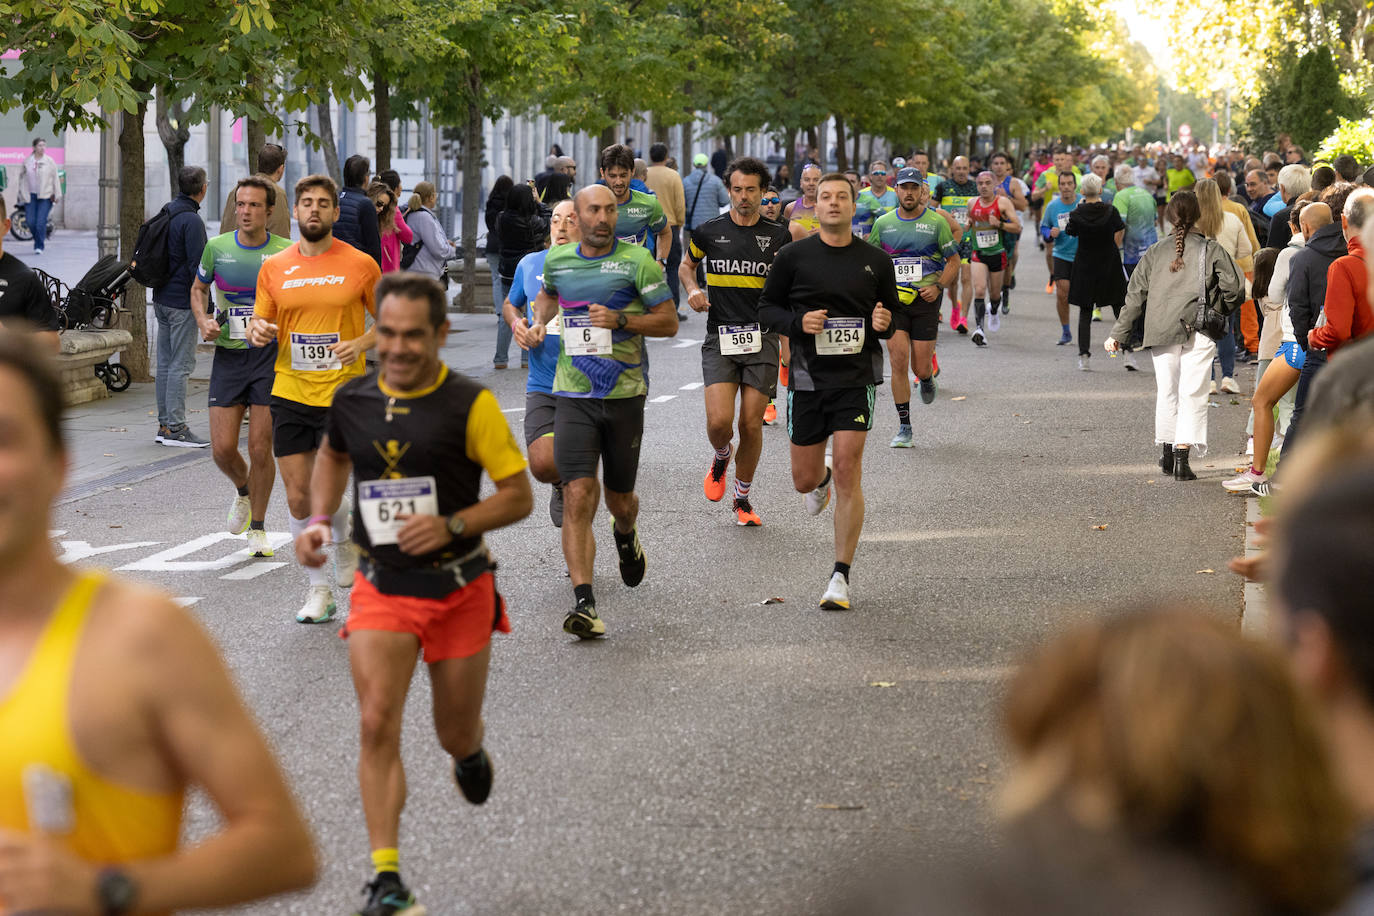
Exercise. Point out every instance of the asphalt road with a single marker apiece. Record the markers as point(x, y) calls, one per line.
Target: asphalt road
point(714, 754)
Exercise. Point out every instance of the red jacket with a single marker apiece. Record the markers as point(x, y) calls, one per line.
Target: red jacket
point(1348, 315)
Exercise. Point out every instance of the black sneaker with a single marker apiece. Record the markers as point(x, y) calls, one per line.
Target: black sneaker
point(631, 555)
point(583, 623)
point(556, 506)
point(928, 390)
point(387, 896)
point(473, 775)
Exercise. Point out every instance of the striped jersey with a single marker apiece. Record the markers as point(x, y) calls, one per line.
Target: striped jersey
point(737, 258)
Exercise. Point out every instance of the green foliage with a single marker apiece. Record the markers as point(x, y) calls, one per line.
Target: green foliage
point(1302, 97)
point(1353, 137)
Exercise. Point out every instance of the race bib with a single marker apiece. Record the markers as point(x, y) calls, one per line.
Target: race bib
point(987, 238)
point(1063, 221)
point(628, 239)
point(840, 337)
point(740, 339)
point(908, 270)
point(580, 338)
point(380, 502)
point(960, 215)
point(238, 316)
point(311, 353)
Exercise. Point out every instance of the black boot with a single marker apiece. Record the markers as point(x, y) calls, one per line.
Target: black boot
point(1181, 469)
point(1166, 461)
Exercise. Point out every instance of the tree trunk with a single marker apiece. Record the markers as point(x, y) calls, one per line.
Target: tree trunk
point(841, 157)
point(472, 192)
point(381, 112)
point(131, 162)
point(173, 137)
point(607, 138)
point(972, 141)
point(954, 143)
point(790, 157)
point(857, 137)
point(331, 149)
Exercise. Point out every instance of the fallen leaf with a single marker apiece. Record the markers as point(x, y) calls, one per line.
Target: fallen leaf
point(769, 601)
point(840, 807)
point(1205, 572)
point(882, 683)
point(116, 526)
point(109, 454)
point(1149, 481)
point(1099, 527)
point(959, 398)
point(117, 429)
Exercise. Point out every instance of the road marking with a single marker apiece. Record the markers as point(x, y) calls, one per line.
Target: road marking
point(187, 602)
point(169, 560)
point(684, 344)
point(662, 398)
point(80, 550)
point(251, 571)
point(693, 386)
point(514, 410)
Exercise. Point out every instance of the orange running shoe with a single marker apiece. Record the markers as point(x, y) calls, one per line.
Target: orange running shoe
point(782, 376)
point(745, 516)
point(714, 485)
point(1049, 288)
point(770, 413)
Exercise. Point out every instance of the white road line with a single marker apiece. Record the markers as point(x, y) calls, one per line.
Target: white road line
point(514, 410)
point(662, 398)
point(692, 386)
point(252, 571)
point(187, 602)
point(683, 344)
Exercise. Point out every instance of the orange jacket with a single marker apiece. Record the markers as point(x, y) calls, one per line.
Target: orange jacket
point(1348, 315)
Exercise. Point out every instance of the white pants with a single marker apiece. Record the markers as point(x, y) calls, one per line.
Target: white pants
point(1182, 374)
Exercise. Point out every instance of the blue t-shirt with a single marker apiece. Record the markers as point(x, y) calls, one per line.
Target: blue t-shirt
point(1057, 214)
point(529, 279)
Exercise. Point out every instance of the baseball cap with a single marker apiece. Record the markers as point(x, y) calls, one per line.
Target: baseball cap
point(898, 163)
point(910, 176)
point(700, 159)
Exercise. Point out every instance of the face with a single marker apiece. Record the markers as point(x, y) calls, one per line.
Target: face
point(909, 196)
point(316, 213)
point(853, 182)
point(407, 344)
point(382, 202)
point(1068, 187)
point(569, 170)
point(1273, 176)
point(809, 180)
point(920, 161)
point(618, 180)
point(1063, 162)
point(1176, 162)
point(250, 209)
point(877, 176)
point(1000, 166)
point(1293, 156)
point(1255, 184)
point(40, 147)
point(31, 473)
point(835, 204)
point(987, 186)
point(770, 204)
point(745, 193)
point(563, 224)
point(1101, 170)
point(958, 169)
point(596, 215)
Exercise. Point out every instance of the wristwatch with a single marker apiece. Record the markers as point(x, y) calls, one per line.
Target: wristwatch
point(456, 526)
point(621, 320)
point(115, 892)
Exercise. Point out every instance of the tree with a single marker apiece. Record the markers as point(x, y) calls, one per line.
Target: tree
point(173, 131)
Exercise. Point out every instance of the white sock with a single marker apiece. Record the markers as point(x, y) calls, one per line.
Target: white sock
point(340, 523)
point(296, 526)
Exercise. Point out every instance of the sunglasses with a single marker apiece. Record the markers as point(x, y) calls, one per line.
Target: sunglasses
point(768, 201)
point(877, 173)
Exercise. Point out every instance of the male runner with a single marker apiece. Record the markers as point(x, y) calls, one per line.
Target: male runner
point(241, 375)
point(1016, 189)
point(1045, 189)
point(113, 704)
point(990, 215)
point(800, 216)
point(641, 215)
point(417, 439)
point(1061, 247)
point(874, 200)
point(737, 356)
point(609, 296)
point(925, 259)
point(539, 399)
point(954, 195)
point(827, 292)
point(314, 296)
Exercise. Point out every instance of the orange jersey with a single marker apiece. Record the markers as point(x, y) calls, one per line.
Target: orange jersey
point(316, 302)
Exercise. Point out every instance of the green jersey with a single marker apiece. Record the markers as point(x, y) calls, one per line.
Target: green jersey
point(232, 270)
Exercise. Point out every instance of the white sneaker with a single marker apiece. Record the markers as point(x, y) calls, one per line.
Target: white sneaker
point(979, 338)
point(1082, 363)
point(345, 563)
point(240, 515)
point(258, 545)
point(994, 322)
point(819, 498)
point(1212, 389)
point(836, 597)
point(319, 606)
point(1229, 385)
point(1242, 483)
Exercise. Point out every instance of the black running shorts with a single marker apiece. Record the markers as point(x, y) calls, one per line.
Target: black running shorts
point(757, 370)
point(1063, 270)
point(919, 320)
point(588, 430)
point(539, 409)
point(813, 415)
point(239, 377)
point(993, 262)
point(296, 428)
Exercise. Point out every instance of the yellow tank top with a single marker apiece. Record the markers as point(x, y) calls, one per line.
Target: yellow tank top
point(44, 783)
point(806, 216)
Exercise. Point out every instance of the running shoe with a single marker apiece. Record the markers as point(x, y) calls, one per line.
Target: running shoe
point(745, 516)
point(928, 390)
point(1097, 314)
point(319, 606)
point(770, 413)
point(473, 775)
point(345, 563)
point(819, 498)
point(836, 597)
point(240, 515)
point(994, 322)
point(979, 338)
point(182, 437)
point(1065, 338)
point(902, 439)
point(1212, 388)
point(956, 317)
point(1263, 487)
point(387, 896)
point(1245, 481)
point(935, 365)
point(1229, 385)
point(583, 623)
point(1049, 288)
point(714, 484)
point(631, 552)
point(556, 505)
point(257, 543)
point(1082, 362)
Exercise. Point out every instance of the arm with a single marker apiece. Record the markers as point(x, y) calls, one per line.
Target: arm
point(201, 311)
point(327, 482)
point(887, 293)
point(795, 230)
point(1010, 222)
point(722, 195)
point(403, 231)
point(659, 321)
point(687, 278)
point(432, 234)
point(956, 230)
point(664, 243)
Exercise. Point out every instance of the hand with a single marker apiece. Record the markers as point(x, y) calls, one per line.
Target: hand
point(881, 318)
point(1111, 345)
point(209, 328)
point(520, 330)
point(535, 335)
point(930, 293)
point(602, 317)
point(347, 350)
point(261, 332)
point(814, 322)
point(1310, 344)
point(1054, 233)
point(309, 542)
point(698, 301)
point(38, 875)
point(423, 534)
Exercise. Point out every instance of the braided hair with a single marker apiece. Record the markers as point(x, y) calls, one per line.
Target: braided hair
point(1184, 213)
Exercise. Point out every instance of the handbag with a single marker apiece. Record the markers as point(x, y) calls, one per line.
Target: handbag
point(1209, 320)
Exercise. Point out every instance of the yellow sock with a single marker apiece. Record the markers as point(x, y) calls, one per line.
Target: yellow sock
point(386, 860)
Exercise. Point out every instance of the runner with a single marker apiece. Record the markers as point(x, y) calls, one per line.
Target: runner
point(315, 296)
point(925, 260)
point(801, 222)
point(641, 216)
point(1062, 248)
point(241, 375)
point(417, 439)
point(1045, 189)
point(874, 200)
point(1016, 189)
point(113, 705)
point(609, 296)
point(737, 356)
point(954, 195)
point(770, 205)
point(539, 399)
point(827, 292)
point(990, 214)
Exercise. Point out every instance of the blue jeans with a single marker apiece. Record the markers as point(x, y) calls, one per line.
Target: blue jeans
point(499, 291)
point(177, 334)
point(36, 212)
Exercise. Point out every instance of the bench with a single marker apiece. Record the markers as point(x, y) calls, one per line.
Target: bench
point(81, 352)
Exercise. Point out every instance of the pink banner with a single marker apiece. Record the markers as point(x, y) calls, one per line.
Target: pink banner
point(14, 155)
point(10, 55)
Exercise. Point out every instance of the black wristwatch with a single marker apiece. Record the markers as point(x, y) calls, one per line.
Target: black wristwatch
point(115, 891)
point(621, 320)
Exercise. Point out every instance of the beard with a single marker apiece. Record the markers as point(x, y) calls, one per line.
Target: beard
point(315, 233)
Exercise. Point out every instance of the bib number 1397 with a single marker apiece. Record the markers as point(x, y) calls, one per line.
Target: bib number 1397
point(840, 337)
point(312, 353)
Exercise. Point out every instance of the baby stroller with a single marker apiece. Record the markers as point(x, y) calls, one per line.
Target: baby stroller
point(96, 301)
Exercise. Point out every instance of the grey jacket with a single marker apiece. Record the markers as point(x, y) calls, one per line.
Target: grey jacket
point(436, 249)
point(1173, 297)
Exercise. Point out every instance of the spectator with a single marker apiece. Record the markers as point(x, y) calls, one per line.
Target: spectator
point(1323, 177)
point(782, 179)
point(557, 188)
point(641, 172)
point(496, 202)
point(666, 184)
point(1259, 190)
point(705, 195)
point(1294, 181)
point(271, 167)
point(41, 188)
point(1276, 338)
point(522, 231)
point(435, 248)
point(720, 159)
point(1347, 167)
point(393, 229)
point(1346, 307)
point(1097, 280)
point(24, 303)
point(1168, 278)
point(542, 178)
point(177, 331)
point(567, 165)
point(357, 223)
point(1228, 231)
point(1295, 155)
point(1235, 205)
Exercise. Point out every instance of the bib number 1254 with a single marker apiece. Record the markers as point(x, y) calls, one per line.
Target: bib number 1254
point(840, 337)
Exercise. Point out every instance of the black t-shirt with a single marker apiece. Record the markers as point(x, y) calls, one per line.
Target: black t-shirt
point(737, 259)
point(23, 296)
point(848, 282)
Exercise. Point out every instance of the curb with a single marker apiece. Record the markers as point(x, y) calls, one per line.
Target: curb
point(1254, 619)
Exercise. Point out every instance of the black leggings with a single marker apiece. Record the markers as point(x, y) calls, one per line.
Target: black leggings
point(1085, 324)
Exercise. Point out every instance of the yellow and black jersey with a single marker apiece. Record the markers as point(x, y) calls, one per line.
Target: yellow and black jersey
point(737, 260)
point(421, 451)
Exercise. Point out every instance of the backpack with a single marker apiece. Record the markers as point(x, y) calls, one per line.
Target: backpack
point(410, 250)
point(151, 264)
